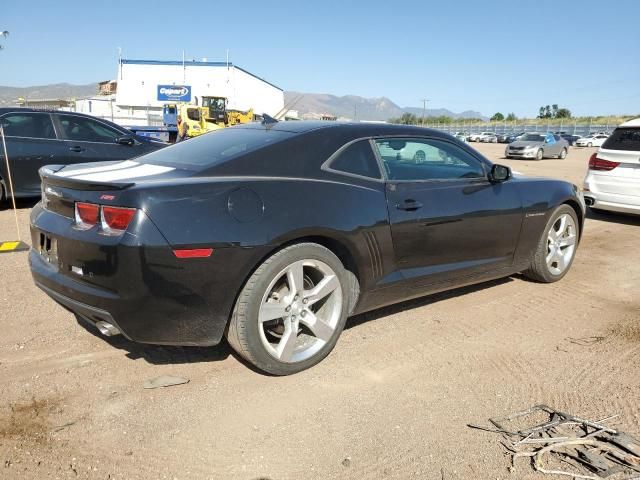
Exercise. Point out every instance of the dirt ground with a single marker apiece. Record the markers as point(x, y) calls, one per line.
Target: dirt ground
point(392, 400)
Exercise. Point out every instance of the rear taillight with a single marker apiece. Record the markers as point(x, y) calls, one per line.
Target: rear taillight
point(87, 215)
point(596, 163)
point(115, 220)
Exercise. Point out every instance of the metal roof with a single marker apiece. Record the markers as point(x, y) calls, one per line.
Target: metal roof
point(193, 63)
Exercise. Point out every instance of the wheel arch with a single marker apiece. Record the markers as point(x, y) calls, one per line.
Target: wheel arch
point(579, 213)
point(337, 247)
point(341, 250)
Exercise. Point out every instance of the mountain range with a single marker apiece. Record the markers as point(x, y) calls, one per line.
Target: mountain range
point(308, 105)
point(313, 105)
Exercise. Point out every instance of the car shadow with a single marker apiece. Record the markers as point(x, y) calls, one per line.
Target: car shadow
point(362, 318)
point(613, 217)
point(171, 355)
point(162, 354)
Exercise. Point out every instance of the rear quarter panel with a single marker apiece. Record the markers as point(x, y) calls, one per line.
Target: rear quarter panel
point(265, 213)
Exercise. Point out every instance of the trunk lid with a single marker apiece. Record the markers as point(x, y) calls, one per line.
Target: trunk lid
point(63, 185)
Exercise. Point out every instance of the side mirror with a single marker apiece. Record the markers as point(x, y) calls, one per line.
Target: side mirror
point(499, 173)
point(125, 140)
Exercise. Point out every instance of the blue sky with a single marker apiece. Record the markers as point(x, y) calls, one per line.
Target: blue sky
point(463, 55)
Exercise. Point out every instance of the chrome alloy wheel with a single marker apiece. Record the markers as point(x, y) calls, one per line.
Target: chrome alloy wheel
point(561, 244)
point(300, 310)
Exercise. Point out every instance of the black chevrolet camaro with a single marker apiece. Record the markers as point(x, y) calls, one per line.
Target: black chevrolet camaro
point(273, 234)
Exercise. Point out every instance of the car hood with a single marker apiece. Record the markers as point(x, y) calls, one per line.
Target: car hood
point(525, 143)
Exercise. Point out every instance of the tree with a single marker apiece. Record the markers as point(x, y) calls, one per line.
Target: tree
point(553, 111)
point(511, 117)
point(408, 119)
point(497, 117)
point(563, 113)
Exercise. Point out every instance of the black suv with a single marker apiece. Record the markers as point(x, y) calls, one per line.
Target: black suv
point(36, 138)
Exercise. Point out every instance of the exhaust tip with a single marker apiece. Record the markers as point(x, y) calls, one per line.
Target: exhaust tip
point(589, 201)
point(107, 329)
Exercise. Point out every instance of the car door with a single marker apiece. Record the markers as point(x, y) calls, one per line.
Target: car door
point(551, 146)
point(89, 140)
point(31, 143)
point(447, 220)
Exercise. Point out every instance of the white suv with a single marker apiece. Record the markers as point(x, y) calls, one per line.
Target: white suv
point(613, 180)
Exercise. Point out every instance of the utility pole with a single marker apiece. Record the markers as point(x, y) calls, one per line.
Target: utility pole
point(424, 109)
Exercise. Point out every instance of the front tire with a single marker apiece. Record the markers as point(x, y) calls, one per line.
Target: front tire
point(557, 246)
point(291, 311)
point(539, 154)
point(589, 145)
point(563, 154)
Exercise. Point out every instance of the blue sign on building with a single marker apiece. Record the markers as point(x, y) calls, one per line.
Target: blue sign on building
point(174, 93)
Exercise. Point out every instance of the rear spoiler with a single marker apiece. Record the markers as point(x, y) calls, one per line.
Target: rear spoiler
point(48, 174)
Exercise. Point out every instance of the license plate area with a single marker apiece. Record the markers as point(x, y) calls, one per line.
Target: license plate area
point(48, 248)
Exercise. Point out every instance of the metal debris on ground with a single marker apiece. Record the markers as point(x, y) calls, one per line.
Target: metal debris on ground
point(165, 381)
point(562, 444)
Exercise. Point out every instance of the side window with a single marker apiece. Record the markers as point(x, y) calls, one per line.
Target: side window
point(358, 159)
point(427, 159)
point(83, 129)
point(31, 125)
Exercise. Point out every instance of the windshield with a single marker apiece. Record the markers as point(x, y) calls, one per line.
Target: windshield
point(532, 137)
point(216, 103)
point(215, 147)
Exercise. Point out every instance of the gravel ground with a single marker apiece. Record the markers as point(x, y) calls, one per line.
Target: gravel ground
point(392, 400)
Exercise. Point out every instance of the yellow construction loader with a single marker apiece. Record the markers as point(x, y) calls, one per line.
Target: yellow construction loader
point(214, 110)
point(191, 115)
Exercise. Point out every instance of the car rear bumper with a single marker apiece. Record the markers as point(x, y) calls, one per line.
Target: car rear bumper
point(136, 284)
point(598, 203)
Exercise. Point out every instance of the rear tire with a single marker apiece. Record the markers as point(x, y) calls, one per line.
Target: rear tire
point(278, 323)
point(556, 248)
point(589, 145)
point(563, 154)
point(539, 154)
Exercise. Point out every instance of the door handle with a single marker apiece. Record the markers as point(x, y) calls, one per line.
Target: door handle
point(409, 205)
point(76, 148)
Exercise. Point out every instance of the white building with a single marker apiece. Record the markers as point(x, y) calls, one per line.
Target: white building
point(144, 86)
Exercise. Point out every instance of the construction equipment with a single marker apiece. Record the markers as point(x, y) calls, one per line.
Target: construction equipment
point(214, 110)
point(191, 115)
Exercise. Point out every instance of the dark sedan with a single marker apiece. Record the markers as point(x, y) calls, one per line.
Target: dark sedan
point(274, 234)
point(36, 138)
point(509, 137)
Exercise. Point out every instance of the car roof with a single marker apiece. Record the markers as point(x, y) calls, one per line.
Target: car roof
point(356, 128)
point(631, 123)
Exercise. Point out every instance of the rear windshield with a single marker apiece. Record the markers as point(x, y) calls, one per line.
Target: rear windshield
point(623, 139)
point(215, 147)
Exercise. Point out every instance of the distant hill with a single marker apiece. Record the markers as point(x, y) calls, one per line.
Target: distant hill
point(64, 91)
point(354, 107)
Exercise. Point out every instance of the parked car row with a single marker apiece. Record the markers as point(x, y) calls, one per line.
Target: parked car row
point(591, 140)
